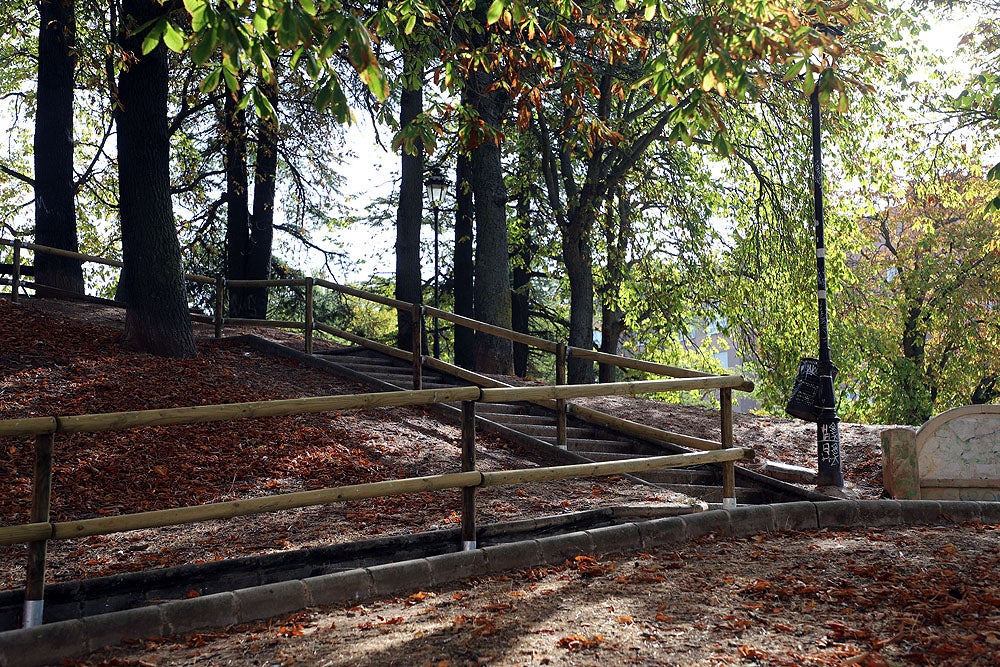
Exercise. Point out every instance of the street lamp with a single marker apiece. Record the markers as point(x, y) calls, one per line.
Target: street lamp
point(436, 185)
point(827, 428)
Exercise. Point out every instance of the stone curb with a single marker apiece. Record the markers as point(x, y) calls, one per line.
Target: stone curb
point(51, 643)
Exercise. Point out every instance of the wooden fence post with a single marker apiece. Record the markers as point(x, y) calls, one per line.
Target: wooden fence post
point(561, 402)
point(468, 465)
point(728, 467)
point(41, 495)
point(417, 316)
point(309, 315)
point(15, 279)
point(220, 301)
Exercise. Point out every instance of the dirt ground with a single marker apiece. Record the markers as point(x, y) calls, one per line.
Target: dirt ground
point(914, 596)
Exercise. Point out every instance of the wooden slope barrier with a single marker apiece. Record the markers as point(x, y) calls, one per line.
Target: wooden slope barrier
point(39, 530)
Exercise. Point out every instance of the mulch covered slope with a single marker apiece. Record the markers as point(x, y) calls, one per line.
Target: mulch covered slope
point(53, 363)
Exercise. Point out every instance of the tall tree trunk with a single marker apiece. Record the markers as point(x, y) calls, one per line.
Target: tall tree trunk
point(617, 233)
point(156, 316)
point(410, 212)
point(465, 338)
point(492, 285)
point(55, 209)
point(237, 199)
point(522, 253)
point(577, 257)
point(258, 258)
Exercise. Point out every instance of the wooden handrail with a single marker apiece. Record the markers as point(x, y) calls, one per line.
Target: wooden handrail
point(234, 508)
point(476, 325)
point(635, 364)
point(515, 336)
point(361, 294)
point(210, 413)
point(507, 394)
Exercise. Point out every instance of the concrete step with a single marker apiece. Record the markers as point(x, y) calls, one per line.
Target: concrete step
point(595, 445)
point(679, 476)
point(501, 409)
point(544, 432)
point(713, 494)
point(623, 446)
point(516, 420)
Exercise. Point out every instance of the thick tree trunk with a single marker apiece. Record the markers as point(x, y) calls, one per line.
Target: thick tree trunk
point(523, 252)
point(492, 286)
point(237, 200)
point(617, 234)
point(465, 338)
point(55, 209)
point(258, 258)
point(156, 316)
point(577, 257)
point(612, 327)
point(410, 212)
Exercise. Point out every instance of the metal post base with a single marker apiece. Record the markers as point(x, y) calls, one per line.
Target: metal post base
point(469, 546)
point(33, 613)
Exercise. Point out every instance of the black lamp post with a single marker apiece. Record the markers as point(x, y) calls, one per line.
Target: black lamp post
point(436, 185)
point(827, 429)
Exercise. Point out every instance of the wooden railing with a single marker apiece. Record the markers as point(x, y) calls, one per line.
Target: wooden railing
point(415, 356)
point(40, 530)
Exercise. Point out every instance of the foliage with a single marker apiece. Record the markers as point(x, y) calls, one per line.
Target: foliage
point(926, 287)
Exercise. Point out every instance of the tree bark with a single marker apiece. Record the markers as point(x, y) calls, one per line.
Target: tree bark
point(156, 316)
point(523, 251)
point(237, 199)
point(492, 256)
point(577, 257)
point(55, 206)
point(410, 212)
point(258, 257)
point(465, 338)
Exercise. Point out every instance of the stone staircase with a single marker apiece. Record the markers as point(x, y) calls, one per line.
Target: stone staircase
point(534, 426)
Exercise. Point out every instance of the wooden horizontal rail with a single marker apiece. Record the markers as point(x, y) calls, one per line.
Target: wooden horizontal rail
point(636, 364)
point(583, 470)
point(234, 508)
point(209, 413)
point(361, 294)
point(29, 426)
point(503, 395)
point(515, 336)
point(481, 380)
point(364, 342)
point(225, 510)
point(643, 430)
point(59, 252)
point(28, 532)
point(273, 324)
point(72, 255)
point(288, 282)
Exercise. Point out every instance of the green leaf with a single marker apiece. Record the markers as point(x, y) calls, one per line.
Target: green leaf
point(621, 5)
point(211, 82)
point(288, 31)
point(152, 39)
point(198, 9)
point(173, 38)
point(308, 7)
point(495, 11)
point(263, 105)
point(994, 173)
point(202, 50)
